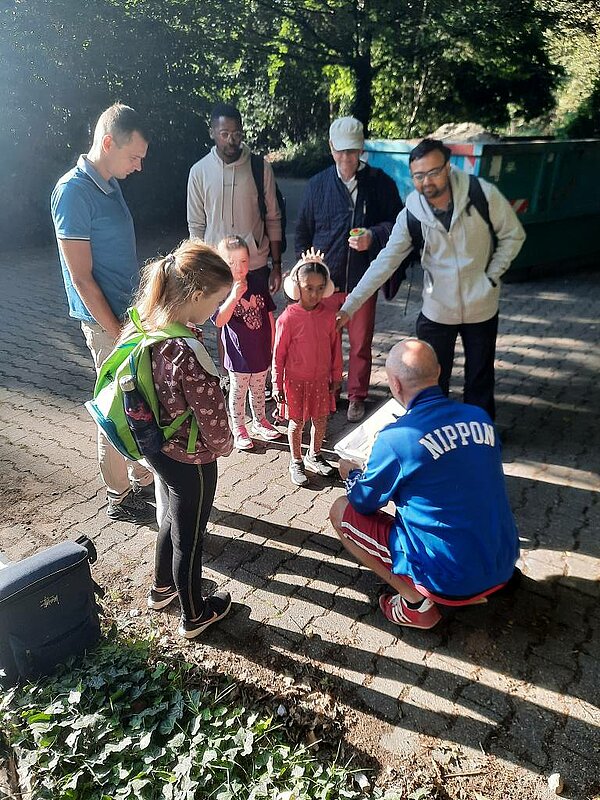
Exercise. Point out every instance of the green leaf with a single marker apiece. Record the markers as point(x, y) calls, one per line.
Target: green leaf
point(145, 740)
point(420, 794)
point(118, 746)
point(38, 717)
point(208, 757)
point(71, 740)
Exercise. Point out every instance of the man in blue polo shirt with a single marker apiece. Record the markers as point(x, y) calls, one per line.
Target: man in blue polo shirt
point(453, 539)
point(96, 245)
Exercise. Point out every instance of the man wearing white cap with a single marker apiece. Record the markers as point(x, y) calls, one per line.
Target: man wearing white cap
point(349, 195)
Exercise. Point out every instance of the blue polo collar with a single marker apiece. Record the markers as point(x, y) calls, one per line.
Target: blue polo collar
point(86, 166)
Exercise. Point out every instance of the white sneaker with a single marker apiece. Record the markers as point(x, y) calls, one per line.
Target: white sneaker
point(265, 430)
point(241, 440)
point(318, 464)
point(298, 475)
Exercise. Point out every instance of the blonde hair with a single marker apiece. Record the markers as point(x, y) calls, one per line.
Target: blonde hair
point(169, 282)
point(233, 242)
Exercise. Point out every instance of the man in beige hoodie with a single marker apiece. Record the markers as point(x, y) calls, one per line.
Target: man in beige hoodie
point(222, 198)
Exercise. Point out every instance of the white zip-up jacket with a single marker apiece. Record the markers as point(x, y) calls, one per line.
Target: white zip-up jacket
point(222, 200)
point(460, 265)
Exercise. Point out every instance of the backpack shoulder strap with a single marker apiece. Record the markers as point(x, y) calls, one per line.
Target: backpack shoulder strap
point(478, 199)
point(204, 359)
point(415, 230)
point(257, 165)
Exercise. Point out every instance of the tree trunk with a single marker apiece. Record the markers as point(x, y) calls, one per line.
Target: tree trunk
point(363, 99)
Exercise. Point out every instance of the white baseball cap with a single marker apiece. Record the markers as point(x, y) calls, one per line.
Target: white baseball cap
point(346, 133)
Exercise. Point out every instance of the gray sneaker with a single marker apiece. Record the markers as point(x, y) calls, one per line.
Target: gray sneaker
point(131, 509)
point(297, 473)
point(318, 464)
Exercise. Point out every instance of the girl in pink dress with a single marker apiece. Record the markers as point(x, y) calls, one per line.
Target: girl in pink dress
point(307, 363)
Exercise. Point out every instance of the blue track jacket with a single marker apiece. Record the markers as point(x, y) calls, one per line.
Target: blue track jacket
point(440, 464)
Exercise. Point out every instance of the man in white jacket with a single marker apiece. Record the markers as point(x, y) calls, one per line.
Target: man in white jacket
point(222, 197)
point(462, 267)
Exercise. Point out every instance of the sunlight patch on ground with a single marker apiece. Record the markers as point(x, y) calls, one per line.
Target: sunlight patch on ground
point(553, 473)
point(540, 402)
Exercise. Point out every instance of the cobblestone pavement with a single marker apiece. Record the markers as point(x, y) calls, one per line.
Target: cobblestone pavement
point(518, 678)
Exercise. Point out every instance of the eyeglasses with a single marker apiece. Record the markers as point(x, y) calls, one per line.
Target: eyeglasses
point(234, 136)
point(419, 177)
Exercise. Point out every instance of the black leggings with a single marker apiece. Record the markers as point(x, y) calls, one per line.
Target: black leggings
point(178, 556)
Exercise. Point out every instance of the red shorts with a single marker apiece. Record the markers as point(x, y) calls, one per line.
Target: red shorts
point(371, 532)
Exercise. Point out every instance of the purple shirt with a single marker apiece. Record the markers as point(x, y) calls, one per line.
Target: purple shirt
point(247, 336)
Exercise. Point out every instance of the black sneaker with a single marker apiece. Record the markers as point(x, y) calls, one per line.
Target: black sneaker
point(131, 509)
point(145, 493)
point(157, 600)
point(318, 464)
point(215, 608)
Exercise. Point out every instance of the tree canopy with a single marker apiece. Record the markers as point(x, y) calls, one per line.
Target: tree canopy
point(402, 66)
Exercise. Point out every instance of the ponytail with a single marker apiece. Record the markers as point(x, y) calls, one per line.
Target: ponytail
point(168, 283)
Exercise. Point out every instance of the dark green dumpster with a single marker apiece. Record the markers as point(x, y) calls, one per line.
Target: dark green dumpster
point(552, 185)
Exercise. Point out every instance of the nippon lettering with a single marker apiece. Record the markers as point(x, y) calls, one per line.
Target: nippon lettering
point(449, 437)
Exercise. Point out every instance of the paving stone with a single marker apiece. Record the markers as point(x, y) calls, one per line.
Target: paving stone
point(335, 627)
point(378, 695)
point(268, 561)
point(523, 666)
point(588, 683)
point(492, 702)
point(528, 732)
point(559, 649)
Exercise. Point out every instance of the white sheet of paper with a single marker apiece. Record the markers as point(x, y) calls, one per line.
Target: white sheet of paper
point(356, 445)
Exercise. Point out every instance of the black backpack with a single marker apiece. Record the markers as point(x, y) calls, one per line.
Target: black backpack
point(257, 164)
point(48, 610)
point(477, 199)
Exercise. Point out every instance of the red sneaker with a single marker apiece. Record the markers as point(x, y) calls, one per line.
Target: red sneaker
point(394, 608)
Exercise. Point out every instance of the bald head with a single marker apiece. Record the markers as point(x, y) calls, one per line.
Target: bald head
point(411, 366)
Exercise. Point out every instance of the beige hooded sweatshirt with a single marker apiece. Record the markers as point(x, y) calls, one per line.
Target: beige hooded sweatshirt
point(222, 200)
point(461, 269)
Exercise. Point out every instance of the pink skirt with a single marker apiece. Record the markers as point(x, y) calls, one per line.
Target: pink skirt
point(306, 400)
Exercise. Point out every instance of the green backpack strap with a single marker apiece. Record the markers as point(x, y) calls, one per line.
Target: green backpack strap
point(193, 437)
point(134, 316)
point(169, 430)
point(172, 331)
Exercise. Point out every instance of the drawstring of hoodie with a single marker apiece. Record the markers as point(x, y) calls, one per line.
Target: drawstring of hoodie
point(222, 187)
point(232, 188)
point(221, 162)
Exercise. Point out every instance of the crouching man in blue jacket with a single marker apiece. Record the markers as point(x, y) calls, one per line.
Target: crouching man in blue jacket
point(453, 539)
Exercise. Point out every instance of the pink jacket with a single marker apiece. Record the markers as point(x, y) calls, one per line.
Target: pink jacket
point(307, 346)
